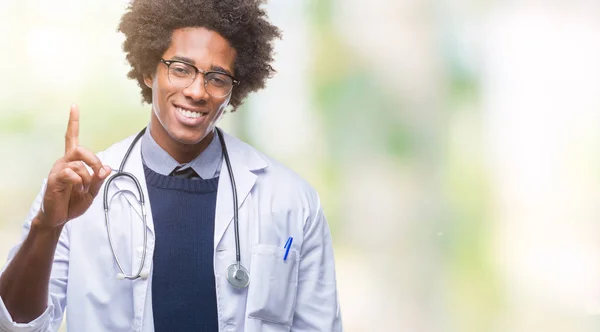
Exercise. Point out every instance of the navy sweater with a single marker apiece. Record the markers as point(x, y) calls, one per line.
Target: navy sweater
point(183, 281)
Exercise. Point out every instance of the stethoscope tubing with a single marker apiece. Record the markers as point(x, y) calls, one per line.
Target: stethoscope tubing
point(122, 173)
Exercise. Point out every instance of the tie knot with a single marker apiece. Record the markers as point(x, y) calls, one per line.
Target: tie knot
point(187, 173)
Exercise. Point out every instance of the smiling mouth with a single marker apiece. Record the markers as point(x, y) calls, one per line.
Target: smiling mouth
point(189, 114)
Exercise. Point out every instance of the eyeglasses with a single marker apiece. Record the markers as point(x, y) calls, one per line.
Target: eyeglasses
point(181, 75)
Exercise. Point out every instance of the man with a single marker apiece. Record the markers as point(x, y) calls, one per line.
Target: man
point(193, 262)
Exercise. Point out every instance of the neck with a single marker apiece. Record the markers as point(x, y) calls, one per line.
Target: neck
point(181, 152)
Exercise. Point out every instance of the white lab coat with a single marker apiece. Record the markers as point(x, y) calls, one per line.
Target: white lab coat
point(298, 294)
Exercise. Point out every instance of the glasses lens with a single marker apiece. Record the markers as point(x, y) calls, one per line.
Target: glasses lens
point(181, 75)
point(217, 84)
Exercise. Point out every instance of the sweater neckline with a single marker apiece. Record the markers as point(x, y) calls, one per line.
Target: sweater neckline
point(158, 180)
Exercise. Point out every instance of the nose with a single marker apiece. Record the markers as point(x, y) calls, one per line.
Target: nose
point(197, 90)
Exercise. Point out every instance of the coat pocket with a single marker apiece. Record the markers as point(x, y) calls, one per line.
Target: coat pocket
point(273, 284)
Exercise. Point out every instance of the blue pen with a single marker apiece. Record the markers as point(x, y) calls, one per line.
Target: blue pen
point(287, 247)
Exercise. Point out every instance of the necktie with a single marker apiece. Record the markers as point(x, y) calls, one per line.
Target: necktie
point(187, 173)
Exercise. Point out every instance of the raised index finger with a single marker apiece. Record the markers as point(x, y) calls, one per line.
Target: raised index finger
point(72, 134)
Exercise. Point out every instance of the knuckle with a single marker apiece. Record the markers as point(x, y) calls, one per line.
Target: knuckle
point(64, 173)
point(72, 165)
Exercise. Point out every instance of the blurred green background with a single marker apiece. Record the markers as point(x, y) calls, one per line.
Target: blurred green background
point(455, 144)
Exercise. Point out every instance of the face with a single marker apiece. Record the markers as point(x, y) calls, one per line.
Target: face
point(183, 119)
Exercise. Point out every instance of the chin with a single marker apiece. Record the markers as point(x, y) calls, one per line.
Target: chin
point(189, 136)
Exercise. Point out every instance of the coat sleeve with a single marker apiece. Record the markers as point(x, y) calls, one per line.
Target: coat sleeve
point(51, 319)
point(317, 305)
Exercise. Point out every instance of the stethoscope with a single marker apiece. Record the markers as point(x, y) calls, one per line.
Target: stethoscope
point(237, 275)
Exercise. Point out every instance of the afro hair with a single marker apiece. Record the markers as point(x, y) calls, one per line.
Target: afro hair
point(149, 24)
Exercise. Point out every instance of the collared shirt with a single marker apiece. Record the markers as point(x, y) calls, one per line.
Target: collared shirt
point(207, 164)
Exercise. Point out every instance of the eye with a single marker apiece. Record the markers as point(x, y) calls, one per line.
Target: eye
point(180, 70)
point(218, 80)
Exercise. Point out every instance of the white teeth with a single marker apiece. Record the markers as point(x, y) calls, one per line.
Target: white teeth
point(189, 114)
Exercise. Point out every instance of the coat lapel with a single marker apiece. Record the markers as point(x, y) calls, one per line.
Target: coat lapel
point(135, 167)
point(244, 160)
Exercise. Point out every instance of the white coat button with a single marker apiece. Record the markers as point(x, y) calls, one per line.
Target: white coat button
point(139, 251)
point(136, 324)
point(230, 327)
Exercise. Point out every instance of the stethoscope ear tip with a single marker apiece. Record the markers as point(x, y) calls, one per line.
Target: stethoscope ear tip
point(144, 275)
point(120, 276)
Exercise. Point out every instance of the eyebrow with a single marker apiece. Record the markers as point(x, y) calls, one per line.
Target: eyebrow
point(192, 62)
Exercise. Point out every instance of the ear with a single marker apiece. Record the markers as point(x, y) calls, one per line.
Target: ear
point(148, 81)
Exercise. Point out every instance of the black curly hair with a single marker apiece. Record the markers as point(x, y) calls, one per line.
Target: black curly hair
point(148, 26)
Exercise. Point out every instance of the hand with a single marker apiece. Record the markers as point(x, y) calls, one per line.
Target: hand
point(71, 188)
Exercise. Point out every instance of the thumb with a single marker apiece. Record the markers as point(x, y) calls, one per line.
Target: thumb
point(98, 180)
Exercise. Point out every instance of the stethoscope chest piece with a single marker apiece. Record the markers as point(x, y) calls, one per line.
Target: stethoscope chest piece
point(238, 276)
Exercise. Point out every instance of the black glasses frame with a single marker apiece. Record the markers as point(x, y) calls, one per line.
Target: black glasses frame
point(200, 71)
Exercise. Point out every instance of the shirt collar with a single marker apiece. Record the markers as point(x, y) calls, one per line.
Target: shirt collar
point(207, 164)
